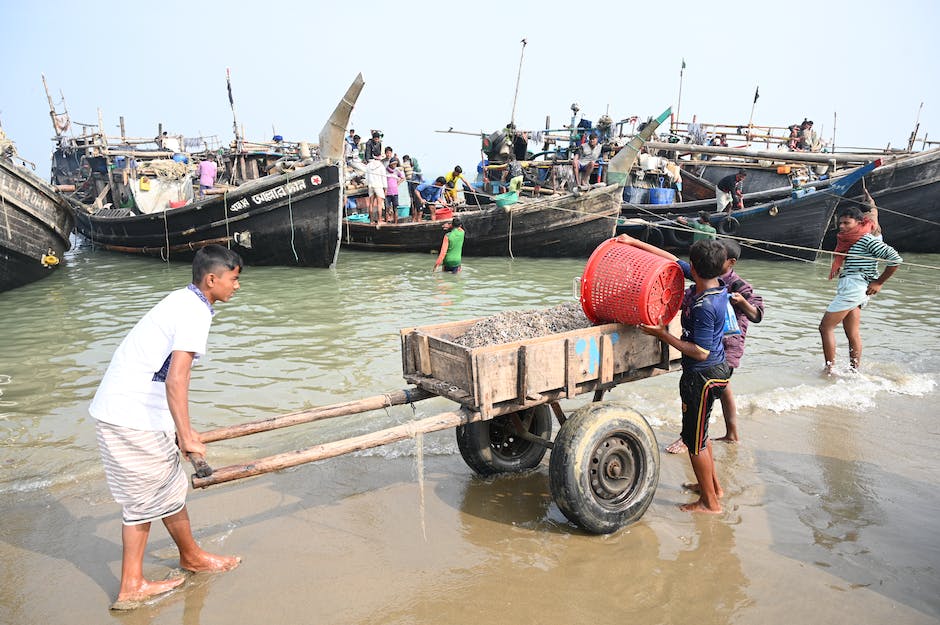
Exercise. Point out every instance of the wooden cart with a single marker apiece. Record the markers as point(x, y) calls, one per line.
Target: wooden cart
point(604, 466)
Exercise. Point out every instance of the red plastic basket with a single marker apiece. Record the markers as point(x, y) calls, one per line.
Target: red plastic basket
point(622, 283)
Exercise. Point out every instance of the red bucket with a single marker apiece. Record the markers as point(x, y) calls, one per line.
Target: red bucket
point(622, 283)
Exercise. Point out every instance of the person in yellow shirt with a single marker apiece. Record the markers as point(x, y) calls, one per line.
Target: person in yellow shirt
point(452, 184)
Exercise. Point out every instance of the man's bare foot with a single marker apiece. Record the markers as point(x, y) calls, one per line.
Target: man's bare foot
point(133, 598)
point(677, 447)
point(727, 439)
point(698, 506)
point(210, 563)
point(695, 488)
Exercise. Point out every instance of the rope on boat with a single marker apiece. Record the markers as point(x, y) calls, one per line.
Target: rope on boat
point(166, 233)
point(290, 214)
point(228, 236)
point(747, 242)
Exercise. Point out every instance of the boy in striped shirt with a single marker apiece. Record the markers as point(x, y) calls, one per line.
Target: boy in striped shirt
point(858, 249)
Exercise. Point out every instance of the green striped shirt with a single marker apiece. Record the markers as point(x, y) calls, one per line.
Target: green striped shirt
point(863, 258)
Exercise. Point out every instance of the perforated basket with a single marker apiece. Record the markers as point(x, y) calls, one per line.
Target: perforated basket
point(622, 283)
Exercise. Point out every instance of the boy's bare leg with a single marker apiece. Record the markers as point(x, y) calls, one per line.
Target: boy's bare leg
point(192, 557)
point(852, 324)
point(729, 410)
point(133, 585)
point(695, 488)
point(704, 467)
point(827, 331)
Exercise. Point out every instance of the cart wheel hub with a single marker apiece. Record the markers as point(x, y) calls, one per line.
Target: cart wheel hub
point(612, 468)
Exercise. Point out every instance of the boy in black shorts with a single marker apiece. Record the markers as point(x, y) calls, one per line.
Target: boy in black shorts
point(705, 373)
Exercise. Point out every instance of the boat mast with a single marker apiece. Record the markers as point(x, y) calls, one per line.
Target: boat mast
point(512, 118)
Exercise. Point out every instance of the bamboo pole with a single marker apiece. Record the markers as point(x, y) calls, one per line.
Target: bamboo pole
point(394, 398)
point(289, 459)
point(770, 155)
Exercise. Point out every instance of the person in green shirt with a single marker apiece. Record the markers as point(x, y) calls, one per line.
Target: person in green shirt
point(703, 229)
point(451, 247)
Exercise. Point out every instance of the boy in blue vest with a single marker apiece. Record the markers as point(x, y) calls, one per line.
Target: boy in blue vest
point(705, 373)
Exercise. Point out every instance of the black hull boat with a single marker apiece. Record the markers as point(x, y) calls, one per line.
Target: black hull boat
point(128, 200)
point(787, 229)
point(285, 219)
point(35, 223)
point(550, 226)
point(906, 190)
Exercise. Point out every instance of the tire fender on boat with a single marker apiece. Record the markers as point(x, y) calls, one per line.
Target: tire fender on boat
point(652, 235)
point(728, 225)
point(680, 237)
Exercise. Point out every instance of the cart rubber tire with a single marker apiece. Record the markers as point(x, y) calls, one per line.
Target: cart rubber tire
point(604, 467)
point(491, 447)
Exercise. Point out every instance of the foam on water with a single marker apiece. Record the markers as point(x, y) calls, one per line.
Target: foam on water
point(847, 389)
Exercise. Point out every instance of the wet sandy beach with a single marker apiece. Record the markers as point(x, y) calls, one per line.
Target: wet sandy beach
point(813, 531)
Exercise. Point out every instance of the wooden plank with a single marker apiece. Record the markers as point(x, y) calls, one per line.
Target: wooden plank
point(605, 372)
point(521, 377)
point(571, 362)
point(424, 354)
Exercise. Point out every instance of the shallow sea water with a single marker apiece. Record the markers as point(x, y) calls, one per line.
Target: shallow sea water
point(831, 497)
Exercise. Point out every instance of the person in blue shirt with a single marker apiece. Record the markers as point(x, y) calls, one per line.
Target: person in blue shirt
point(430, 193)
point(705, 373)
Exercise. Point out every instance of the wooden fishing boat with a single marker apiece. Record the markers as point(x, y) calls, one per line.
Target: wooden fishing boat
point(561, 224)
point(565, 225)
point(287, 218)
point(34, 226)
point(784, 229)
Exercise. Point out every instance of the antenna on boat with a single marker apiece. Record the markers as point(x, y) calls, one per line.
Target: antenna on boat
point(515, 97)
point(910, 142)
point(231, 101)
point(674, 126)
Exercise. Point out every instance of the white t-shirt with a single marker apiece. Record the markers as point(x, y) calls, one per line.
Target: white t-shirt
point(129, 394)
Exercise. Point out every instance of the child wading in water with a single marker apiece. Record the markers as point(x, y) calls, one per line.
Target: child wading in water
point(748, 307)
point(704, 370)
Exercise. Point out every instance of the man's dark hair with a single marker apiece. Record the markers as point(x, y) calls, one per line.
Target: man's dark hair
point(742, 173)
point(212, 259)
point(458, 169)
point(732, 248)
point(440, 180)
point(852, 211)
point(455, 222)
point(707, 258)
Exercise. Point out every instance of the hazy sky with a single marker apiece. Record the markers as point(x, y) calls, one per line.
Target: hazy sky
point(433, 65)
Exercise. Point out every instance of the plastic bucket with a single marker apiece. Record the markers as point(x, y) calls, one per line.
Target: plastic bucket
point(622, 283)
point(404, 211)
point(443, 213)
point(662, 196)
point(634, 195)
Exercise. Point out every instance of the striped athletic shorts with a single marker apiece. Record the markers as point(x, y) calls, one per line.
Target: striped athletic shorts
point(698, 391)
point(144, 472)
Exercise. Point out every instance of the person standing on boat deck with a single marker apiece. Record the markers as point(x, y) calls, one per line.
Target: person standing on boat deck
point(395, 176)
point(142, 420)
point(585, 159)
point(373, 146)
point(455, 177)
point(729, 192)
point(377, 181)
point(208, 171)
point(351, 153)
point(705, 373)
point(388, 155)
point(855, 262)
point(451, 254)
point(748, 307)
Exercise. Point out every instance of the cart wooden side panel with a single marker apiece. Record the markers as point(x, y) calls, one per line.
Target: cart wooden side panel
point(503, 378)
